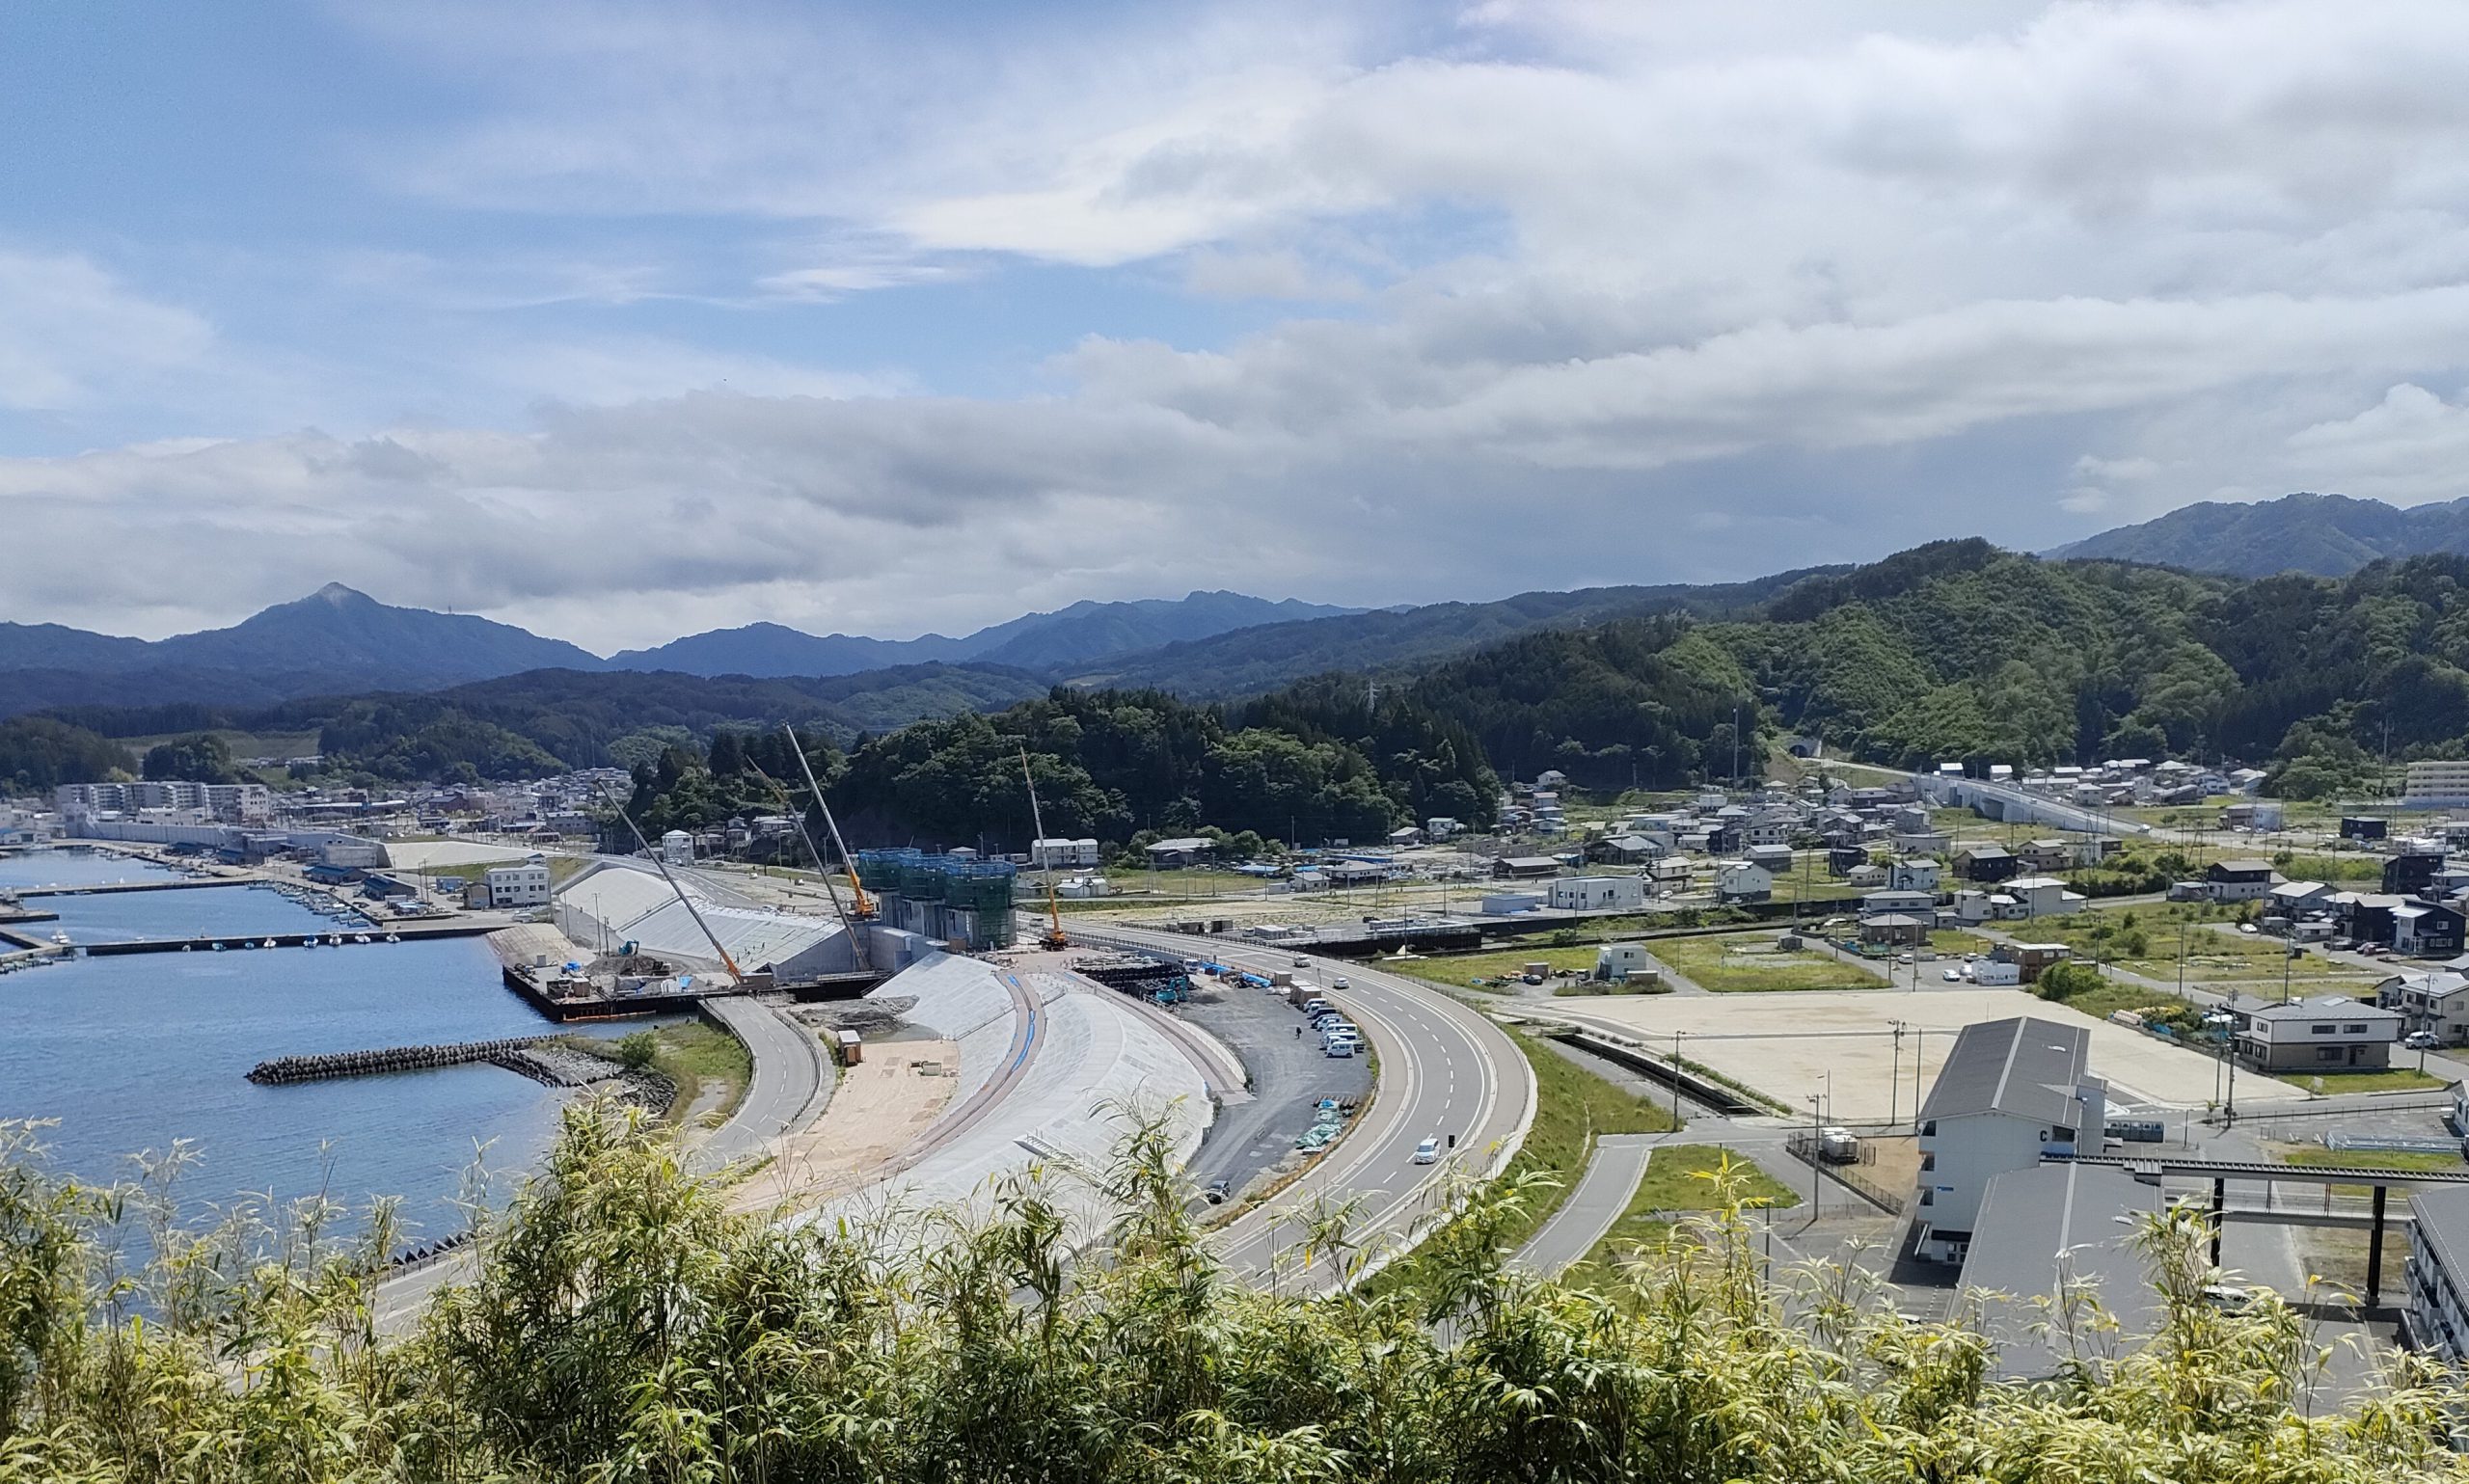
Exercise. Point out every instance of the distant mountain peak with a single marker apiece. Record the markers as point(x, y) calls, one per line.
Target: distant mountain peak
point(2324, 535)
point(337, 594)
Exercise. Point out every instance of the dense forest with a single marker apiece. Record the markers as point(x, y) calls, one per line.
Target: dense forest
point(1950, 651)
point(622, 1322)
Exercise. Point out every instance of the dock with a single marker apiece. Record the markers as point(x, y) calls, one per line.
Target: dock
point(113, 888)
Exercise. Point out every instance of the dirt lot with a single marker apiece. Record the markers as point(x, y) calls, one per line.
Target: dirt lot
point(1791, 1046)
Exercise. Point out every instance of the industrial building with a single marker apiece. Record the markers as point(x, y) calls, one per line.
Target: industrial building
point(947, 897)
point(518, 886)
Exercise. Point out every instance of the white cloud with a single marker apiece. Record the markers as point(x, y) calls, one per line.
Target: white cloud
point(1841, 275)
point(71, 332)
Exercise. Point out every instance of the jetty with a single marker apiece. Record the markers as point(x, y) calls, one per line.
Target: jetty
point(284, 1070)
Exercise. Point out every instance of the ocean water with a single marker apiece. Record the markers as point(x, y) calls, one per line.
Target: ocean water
point(130, 1053)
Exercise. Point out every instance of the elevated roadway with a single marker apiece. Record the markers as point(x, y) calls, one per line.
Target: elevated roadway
point(1444, 1069)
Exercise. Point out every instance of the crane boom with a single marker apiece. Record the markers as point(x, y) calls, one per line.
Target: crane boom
point(856, 939)
point(848, 862)
point(683, 899)
point(1054, 937)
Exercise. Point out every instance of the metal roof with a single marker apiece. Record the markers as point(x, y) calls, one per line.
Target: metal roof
point(2022, 1066)
point(2054, 1227)
point(2440, 1221)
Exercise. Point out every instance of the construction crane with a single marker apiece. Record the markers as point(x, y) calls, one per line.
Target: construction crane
point(1053, 938)
point(856, 939)
point(683, 899)
point(863, 905)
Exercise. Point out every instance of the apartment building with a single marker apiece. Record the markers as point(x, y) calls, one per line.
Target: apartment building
point(2011, 1091)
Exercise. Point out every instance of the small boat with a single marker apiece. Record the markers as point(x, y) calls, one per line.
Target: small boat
point(360, 937)
point(60, 938)
point(218, 947)
point(188, 948)
point(394, 937)
point(269, 943)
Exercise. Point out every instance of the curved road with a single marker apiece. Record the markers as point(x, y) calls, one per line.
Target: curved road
point(1444, 1069)
point(787, 1080)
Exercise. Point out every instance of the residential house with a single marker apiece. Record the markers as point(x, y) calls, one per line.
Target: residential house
point(2029, 958)
point(2435, 1000)
point(2324, 1033)
point(1972, 907)
point(1842, 860)
point(1061, 855)
point(2043, 895)
point(2407, 875)
point(1894, 929)
point(1914, 873)
point(2363, 826)
point(2046, 854)
point(1986, 863)
point(2010, 1092)
point(1920, 903)
point(1623, 850)
point(2294, 899)
point(2367, 916)
point(2422, 930)
point(2238, 880)
point(1865, 877)
point(1597, 892)
point(1920, 841)
point(1777, 858)
point(1739, 881)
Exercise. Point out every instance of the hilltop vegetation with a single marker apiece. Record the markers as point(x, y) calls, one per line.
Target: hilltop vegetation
point(1950, 651)
point(622, 1325)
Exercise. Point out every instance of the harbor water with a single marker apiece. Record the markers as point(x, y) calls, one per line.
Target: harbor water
point(131, 1053)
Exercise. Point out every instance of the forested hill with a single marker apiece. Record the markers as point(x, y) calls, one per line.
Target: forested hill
point(1954, 650)
point(2328, 535)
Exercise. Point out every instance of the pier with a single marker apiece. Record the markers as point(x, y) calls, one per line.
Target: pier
point(110, 888)
point(321, 937)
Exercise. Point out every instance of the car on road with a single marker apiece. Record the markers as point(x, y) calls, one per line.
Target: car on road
point(1302, 962)
point(2423, 1040)
point(1427, 1153)
point(1217, 1190)
point(1339, 983)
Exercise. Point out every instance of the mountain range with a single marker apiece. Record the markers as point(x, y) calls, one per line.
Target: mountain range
point(2324, 535)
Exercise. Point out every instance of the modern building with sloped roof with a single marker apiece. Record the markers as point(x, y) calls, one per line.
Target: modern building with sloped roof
point(2011, 1091)
point(2059, 1234)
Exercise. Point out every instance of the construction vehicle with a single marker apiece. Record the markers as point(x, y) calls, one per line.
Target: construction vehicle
point(860, 903)
point(683, 899)
point(847, 924)
point(1053, 938)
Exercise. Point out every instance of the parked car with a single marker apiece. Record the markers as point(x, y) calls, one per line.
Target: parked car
point(1339, 1048)
point(1427, 1153)
point(2421, 1040)
point(1953, 976)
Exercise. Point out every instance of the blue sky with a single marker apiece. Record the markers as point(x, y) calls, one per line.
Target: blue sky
point(622, 320)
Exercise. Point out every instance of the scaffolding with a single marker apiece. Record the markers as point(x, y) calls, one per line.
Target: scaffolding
point(946, 897)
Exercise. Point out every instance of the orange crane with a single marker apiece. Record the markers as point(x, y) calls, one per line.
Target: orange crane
point(863, 904)
point(1053, 938)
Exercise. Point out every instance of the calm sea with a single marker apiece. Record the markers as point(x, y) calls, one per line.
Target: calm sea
point(130, 1053)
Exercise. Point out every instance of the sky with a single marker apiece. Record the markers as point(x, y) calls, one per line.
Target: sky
point(623, 321)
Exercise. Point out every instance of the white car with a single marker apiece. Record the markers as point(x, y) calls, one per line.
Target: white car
point(1953, 976)
point(1302, 962)
point(1339, 983)
point(1427, 1153)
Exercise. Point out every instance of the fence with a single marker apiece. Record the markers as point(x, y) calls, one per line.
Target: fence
point(1805, 1149)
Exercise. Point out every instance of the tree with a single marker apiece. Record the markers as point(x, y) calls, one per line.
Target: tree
point(2064, 981)
point(204, 757)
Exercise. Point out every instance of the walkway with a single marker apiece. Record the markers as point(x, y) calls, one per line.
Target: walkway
point(1602, 1194)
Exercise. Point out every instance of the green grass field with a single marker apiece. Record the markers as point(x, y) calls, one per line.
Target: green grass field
point(2315, 1157)
point(1679, 1178)
point(1456, 971)
point(2213, 954)
point(1734, 962)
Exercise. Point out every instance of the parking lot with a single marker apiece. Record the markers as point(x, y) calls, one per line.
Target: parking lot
point(1288, 1076)
point(1843, 1045)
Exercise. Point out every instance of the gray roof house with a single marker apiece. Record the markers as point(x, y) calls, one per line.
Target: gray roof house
point(2049, 1231)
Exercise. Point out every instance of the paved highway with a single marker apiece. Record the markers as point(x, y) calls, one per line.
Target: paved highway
point(1444, 1069)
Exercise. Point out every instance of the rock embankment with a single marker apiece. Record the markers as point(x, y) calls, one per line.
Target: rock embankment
point(287, 1069)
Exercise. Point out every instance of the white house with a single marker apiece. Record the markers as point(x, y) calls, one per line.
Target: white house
point(1914, 873)
point(1622, 960)
point(518, 886)
point(1440, 826)
point(1596, 893)
point(1917, 903)
point(677, 848)
point(1737, 881)
point(2043, 895)
point(2434, 1000)
point(2010, 1092)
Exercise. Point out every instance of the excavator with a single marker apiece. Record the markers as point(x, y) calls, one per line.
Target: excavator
point(1053, 938)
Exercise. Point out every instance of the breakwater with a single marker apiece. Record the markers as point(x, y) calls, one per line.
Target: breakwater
point(284, 1070)
point(327, 937)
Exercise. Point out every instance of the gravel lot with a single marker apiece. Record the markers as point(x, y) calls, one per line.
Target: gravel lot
point(1288, 1076)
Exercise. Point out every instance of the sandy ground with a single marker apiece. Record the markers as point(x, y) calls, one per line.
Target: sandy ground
point(423, 855)
point(1843, 1044)
point(879, 1108)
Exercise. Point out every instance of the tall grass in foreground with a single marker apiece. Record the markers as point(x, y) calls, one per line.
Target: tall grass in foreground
point(624, 1326)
